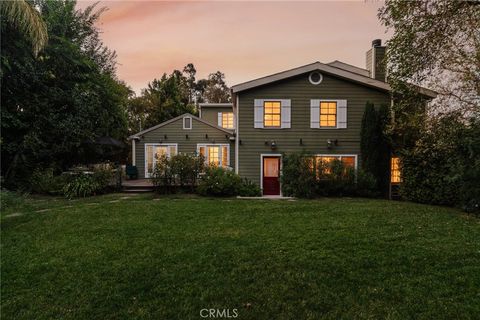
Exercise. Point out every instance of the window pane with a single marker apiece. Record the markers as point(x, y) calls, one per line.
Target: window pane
point(227, 120)
point(328, 114)
point(149, 159)
point(188, 123)
point(173, 151)
point(202, 151)
point(225, 156)
point(213, 155)
point(395, 170)
point(272, 114)
point(160, 151)
point(348, 162)
point(270, 167)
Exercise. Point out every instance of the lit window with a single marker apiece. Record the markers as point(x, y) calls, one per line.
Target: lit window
point(216, 155)
point(271, 113)
point(328, 114)
point(154, 152)
point(227, 120)
point(395, 170)
point(324, 163)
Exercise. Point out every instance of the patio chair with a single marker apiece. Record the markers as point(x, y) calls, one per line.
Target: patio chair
point(131, 172)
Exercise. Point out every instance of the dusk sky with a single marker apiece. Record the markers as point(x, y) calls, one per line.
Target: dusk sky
point(245, 40)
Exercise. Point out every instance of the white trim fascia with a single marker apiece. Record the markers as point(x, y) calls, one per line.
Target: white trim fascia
point(134, 156)
point(262, 155)
point(220, 153)
point(218, 105)
point(237, 138)
point(156, 144)
point(327, 69)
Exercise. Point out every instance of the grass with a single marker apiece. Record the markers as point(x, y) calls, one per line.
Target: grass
point(114, 258)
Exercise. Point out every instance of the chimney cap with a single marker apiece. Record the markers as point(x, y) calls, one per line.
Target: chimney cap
point(377, 43)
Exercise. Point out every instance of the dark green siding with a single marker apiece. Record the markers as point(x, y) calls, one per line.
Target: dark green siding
point(300, 91)
point(210, 114)
point(176, 134)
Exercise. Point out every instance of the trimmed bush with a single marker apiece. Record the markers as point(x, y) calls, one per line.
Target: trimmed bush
point(298, 176)
point(84, 185)
point(43, 181)
point(178, 171)
point(217, 181)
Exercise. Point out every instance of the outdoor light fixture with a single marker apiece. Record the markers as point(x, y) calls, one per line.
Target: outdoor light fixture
point(266, 142)
point(186, 136)
point(301, 142)
point(206, 136)
point(331, 143)
point(273, 145)
point(165, 136)
point(240, 141)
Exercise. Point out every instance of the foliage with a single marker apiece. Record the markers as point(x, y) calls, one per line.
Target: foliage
point(44, 181)
point(83, 185)
point(435, 43)
point(374, 145)
point(179, 170)
point(249, 188)
point(69, 95)
point(216, 89)
point(11, 199)
point(23, 16)
point(443, 167)
point(304, 178)
point(298, 179)
point(218, 181)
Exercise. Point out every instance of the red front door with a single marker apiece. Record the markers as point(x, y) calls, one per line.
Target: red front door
point(271, 176)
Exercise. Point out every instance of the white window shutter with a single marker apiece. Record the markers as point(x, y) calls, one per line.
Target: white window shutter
point(341, 114)
point(286, 114)
point(258, 113)
point(315, 113)
point(219, 119)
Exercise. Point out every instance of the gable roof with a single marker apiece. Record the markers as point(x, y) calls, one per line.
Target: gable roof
point(328, 69)
point(349, 67)
point(137, 135)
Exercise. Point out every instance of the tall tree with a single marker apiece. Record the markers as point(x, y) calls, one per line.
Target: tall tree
point(52, 105)
point(23, 16)
point(435, 43)
point(216, 89)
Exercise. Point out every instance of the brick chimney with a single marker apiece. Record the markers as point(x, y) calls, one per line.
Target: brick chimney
point(376, 60)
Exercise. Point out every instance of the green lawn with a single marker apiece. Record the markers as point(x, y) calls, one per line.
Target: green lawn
point(115, 258)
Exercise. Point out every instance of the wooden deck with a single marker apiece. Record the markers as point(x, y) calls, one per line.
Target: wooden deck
point(138, 185)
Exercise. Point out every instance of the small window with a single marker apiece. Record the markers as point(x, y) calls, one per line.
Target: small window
point(272, 113)
point(328, 114)
point(187, 123)
point(395, 176)
point(315, 78)
point(227, 120)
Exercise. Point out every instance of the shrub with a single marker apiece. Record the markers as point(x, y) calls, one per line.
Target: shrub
point(43, 181)
point(10, 199)
point(178, 171)
point(335, 179)
point(83, 185)
point(298, 178)
point(218, 181)
point(366, 185)
point(249, 189)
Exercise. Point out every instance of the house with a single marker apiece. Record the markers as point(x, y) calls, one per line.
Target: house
point(317, 108)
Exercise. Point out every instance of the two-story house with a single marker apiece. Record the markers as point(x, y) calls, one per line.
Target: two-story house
point(317, 108)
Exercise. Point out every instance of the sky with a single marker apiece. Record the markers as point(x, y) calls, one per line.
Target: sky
point(245, 40)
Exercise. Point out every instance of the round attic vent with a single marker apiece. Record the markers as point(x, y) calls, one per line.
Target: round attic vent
point(315, 77)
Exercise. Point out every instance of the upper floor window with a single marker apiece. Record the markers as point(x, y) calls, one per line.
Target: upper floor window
point(215, 154)
point(328, 114)
point(272, 113)
point(226, 120)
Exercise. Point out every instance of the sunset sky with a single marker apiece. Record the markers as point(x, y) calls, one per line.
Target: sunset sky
point(245, 40)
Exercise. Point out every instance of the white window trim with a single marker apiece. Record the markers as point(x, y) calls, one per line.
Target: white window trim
point(191, 124)
point(336, 114)
point(340, 155)
point(157, 145)
point(206, 145)
point(266, 155)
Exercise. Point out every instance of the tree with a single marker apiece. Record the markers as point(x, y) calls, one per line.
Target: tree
point(216, 89)
point(23, 16)
point(53, 105)
point(374, 144)
point(436, 44)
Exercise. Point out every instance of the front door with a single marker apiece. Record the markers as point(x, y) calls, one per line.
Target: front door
point(271, 176)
